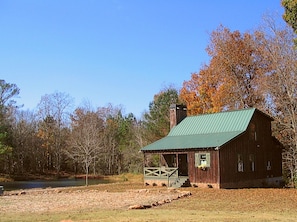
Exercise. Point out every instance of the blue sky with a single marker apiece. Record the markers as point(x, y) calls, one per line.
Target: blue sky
point(121, 52)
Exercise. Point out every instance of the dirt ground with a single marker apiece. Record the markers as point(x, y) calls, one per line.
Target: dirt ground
point(113, 200)
point(94, 197)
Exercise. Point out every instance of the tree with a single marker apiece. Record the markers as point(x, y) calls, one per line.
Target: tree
point(120, 147)
point(53, 110)
point(156, 121)
point(85, 139)
point(7, 92)
point(135, 140)
point(279, 85)
point(112, 143)
point(200, 93)
point(239, 64)
point(110, 157)
point(7, 105)
point(290, 15)
point(26, 153)
point(128, 149)
point(47, 134)
point(231, 80)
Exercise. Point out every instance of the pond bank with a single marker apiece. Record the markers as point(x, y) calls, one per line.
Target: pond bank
point(42, 184)
point(47, 176)
point(46, 181)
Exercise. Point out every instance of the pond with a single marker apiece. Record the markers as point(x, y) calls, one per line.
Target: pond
point(17, 185)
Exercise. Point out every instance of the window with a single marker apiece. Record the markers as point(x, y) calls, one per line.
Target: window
point(253, 133)
point(268, 165)
point(252, 162)
point(202, 160)
point(170, 160)
point(239, 163)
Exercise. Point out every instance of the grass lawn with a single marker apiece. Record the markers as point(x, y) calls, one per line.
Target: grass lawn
point(203, 205)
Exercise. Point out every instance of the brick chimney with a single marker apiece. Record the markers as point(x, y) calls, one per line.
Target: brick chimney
point(177, 114)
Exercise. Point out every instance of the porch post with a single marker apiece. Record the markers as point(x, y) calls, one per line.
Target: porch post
point(159, 159)
point(144, 159)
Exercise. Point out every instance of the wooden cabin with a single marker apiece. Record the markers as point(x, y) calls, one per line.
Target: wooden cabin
point(232, 149)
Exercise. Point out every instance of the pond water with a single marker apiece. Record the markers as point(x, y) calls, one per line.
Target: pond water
point(17, 185)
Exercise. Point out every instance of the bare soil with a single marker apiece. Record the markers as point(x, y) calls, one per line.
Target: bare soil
point(92, 197)
point(110, 202)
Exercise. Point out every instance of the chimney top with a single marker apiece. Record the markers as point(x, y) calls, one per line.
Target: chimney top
point(177, 114)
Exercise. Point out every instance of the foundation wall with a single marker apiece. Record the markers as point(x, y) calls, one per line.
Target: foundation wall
point(260, 183)
point(156, 182)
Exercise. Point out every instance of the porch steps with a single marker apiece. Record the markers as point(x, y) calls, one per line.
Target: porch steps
point(180, 182)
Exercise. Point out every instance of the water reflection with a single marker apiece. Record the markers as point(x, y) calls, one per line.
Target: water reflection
point(16, 185)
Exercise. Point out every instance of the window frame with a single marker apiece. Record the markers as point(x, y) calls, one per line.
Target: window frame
point(253, 132)
point(268, 166)
point(205, 157)
point(252, 162)
point(240, 163)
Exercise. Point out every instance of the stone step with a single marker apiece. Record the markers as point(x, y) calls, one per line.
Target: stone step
point(179, 182)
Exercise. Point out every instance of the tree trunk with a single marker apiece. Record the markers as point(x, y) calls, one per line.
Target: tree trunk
point(87, 174)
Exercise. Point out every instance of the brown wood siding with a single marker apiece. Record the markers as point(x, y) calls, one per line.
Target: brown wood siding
point(263, 149)
point(210, 175)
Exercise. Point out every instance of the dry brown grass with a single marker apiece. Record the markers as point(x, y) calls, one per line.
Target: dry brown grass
point(246, 200)
point(109, 202)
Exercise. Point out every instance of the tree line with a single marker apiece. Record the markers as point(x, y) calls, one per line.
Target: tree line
point(58, 138)
point(246, 69)
point(54, 139)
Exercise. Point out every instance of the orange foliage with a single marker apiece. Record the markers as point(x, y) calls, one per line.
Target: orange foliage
point(231, 79)
point(199, 93)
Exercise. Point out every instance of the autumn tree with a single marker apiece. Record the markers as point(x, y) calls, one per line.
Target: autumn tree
point(53, 111)
point(85, 139)
point(27, 153)
point(109, 157)
point(46, 133)
point(120, 145)
point(232, 78)
point(280, 86)
point(201, 91)
point(239, 64)
point(112, 157)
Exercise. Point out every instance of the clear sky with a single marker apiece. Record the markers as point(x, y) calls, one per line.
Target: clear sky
point(121, 52)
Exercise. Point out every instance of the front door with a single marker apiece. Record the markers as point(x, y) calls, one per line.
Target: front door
point(182, 165)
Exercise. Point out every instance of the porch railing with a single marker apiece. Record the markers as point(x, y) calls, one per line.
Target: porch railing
point(160, 172)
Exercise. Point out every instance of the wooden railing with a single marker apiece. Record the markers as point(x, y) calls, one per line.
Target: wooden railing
point(160, 172)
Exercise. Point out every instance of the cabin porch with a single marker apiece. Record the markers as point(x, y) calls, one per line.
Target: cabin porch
point(171, 170)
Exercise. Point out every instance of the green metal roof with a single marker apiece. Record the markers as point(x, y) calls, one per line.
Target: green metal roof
point(205, 131)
